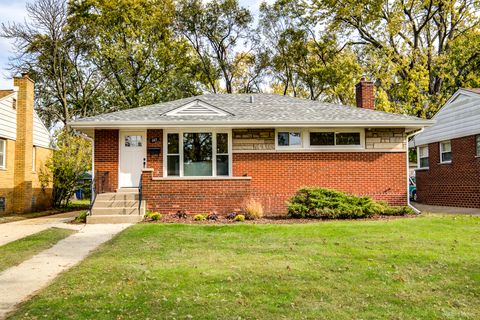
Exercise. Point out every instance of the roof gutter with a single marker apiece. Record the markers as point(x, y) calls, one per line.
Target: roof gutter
point(248, 124)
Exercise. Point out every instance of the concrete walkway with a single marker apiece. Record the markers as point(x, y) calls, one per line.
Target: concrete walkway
point(19, 283)
point(19, 229)
point(449, 210)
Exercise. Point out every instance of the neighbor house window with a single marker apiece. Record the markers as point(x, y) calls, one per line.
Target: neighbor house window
point(198, 154)
point(323, 139)
point(2, 204)
point(289, 139)
point(34, 158)
point(477, 141)
point(3, 154)
point(423, 157)
point(445, 152)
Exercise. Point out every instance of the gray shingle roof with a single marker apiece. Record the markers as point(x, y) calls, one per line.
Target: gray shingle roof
point(265, 108)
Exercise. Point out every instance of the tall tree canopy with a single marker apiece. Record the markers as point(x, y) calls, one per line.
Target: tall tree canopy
point(218, 30)
point(94, 56)
point(133, 45)
point(419, 51)
point(66, 84)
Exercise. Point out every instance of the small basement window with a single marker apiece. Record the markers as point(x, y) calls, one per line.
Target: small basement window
point(445, 152)
point(423, 157)
point(2, 204)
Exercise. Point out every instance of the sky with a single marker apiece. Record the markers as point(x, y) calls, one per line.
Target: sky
point(14, 11)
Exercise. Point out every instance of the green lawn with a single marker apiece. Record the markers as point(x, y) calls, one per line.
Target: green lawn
point(422, 268)
point(15, 252)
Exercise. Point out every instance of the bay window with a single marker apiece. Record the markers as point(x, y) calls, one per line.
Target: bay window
point(193, 153)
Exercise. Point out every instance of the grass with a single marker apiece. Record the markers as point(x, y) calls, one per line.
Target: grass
point(14, 253)
point(420, 268)
point(74, 205)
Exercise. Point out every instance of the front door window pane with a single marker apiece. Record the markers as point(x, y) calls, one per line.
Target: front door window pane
point(197, 154)
point(133, 141)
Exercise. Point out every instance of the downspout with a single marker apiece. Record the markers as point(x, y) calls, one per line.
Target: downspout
point(408, 170)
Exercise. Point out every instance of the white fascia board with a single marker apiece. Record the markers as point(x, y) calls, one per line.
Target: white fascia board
point(251, 124)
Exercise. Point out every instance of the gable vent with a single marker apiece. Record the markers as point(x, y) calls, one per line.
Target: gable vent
point(197, 108)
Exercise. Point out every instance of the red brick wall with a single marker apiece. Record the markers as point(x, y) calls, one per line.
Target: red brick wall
point(195, 196)
point(106, 155)
point(276, 176)
point(456, 184)
point(155, 161)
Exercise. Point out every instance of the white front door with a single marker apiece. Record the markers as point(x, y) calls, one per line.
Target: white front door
point(132, 156)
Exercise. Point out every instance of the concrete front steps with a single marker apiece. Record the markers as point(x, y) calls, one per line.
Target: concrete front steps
point(117, 207)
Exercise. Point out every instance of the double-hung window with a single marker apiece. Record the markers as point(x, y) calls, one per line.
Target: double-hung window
point(423, 157)
point(3, 154)
point(445, 152)
point(198, 154)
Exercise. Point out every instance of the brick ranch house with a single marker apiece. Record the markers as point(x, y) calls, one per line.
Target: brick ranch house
point(214, 151)
point(24, 148)
point(448, 154)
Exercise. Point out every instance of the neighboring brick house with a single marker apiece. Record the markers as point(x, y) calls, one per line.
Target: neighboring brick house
point(24, 148)
point(214, 151)
point(448, 154)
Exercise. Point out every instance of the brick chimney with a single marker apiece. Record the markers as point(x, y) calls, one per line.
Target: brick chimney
point(364, 94)
point(22, 192)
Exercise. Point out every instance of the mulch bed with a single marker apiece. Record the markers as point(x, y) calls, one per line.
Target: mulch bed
point(172, 218)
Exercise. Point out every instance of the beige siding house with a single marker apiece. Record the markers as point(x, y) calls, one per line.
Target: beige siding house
point(24, 148)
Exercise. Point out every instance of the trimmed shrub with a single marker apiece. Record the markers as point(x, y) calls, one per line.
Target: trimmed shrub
point(152, 215)
point(331, 204)
point(253, 209)
point(82, 217)
point(239, 217)
point(200, 217)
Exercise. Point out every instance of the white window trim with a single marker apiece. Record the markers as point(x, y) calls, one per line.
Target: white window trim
point(418, 157)
point(305, 133)
point(441, 151)
point(4, 152)
point(214, 132)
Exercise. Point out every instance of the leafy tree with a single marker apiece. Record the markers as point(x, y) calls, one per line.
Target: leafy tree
point(419, 51)
point(66, 84)
point(303, 63)
point(217, 29)
point(71, 158)
point(131, 42)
